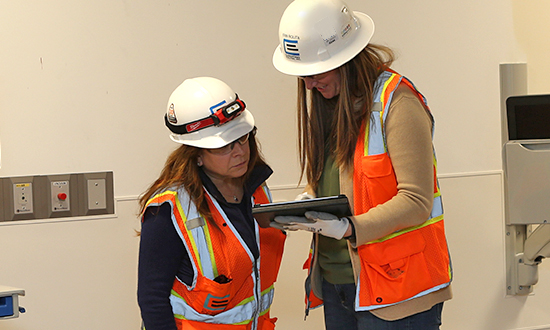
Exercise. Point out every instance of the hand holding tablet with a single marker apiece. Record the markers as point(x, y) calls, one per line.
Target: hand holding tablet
point(336, 205)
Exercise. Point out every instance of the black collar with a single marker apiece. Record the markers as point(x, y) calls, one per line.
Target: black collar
point(258, 176)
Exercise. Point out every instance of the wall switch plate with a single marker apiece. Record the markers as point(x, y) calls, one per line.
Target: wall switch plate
point(60, 194)
point(22, 197)
point(96, 195)
point(20, 200)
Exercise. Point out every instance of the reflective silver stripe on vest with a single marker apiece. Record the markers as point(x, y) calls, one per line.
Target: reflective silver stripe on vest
point(238, 314)
point(423, 293)
point(377, 141)
point(179, 193)
point(189, 211)
point(437, 209)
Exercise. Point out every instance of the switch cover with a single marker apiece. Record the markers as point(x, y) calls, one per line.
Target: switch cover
point(20, 199)
point(95, 193)
point(61, 194)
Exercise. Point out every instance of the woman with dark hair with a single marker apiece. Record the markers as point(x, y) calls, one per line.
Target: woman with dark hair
point(205, 262)
point(364, 131)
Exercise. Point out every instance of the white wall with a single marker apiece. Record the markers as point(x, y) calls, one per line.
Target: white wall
point(83, 86)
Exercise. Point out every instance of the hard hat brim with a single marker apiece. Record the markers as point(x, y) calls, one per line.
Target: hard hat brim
point(218, 136)
point(360, 40)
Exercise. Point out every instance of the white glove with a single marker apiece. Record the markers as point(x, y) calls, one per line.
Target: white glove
point(281, 222)
point(284, 222)
point(277, 225)
point(303, 196)
point(323, 223)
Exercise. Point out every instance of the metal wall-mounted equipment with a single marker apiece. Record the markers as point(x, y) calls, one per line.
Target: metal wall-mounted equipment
point(528, 180)
point(56, 196)
point(9, 302)
point(526, 158)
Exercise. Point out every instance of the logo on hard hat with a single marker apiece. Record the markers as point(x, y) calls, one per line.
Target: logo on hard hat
point(194, 126)
point(330, 39)
point(346, 29)
point(291, 49)
point(172, 114)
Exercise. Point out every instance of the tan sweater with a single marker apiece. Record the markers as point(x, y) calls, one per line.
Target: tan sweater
point(409, 142)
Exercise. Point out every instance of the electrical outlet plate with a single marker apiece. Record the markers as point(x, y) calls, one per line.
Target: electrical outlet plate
point(22, 197)
point(19, 198)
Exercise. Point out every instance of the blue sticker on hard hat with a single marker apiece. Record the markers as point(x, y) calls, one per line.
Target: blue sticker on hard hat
point(216, 106)
point(291, 49)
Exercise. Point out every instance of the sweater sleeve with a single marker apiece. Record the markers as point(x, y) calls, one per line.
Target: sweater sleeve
point(409, 143)
point(161, 252)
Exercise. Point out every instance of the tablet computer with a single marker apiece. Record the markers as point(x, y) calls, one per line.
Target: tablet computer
point(337, 205)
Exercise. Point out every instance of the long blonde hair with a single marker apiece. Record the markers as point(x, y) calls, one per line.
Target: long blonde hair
point(181, 169)
point(338, 120)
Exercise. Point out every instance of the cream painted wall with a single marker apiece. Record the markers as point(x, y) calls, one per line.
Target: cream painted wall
point(76, 274)
point(83, 86)
point(533, 34)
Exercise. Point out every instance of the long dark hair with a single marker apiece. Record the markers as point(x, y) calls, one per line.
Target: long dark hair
point(338, 120)
point(181, 169)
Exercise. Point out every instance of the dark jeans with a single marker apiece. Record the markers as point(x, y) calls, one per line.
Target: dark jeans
point(340, 314)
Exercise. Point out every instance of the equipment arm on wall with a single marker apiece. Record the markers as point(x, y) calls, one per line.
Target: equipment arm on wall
point(526, 163)
point(524, 270)
point(537, 245)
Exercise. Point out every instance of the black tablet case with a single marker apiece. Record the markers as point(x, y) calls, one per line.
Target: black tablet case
point(337, 205)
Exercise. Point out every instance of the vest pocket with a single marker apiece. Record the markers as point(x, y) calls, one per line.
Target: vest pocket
point(211, 297)
point(379, 178)
point(394, 270)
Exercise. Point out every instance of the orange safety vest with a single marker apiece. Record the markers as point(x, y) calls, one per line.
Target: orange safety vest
point(406, 264)
point(217, 250)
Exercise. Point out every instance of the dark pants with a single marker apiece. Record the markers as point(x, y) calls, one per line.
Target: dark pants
point(340, 314)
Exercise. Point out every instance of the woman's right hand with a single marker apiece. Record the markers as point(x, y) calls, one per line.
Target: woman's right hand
point(304, 196)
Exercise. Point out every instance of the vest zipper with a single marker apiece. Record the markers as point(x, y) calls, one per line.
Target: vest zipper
point(257, 295)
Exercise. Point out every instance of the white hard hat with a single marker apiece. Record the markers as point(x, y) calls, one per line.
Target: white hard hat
point(316, 36)
point(204, 112)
